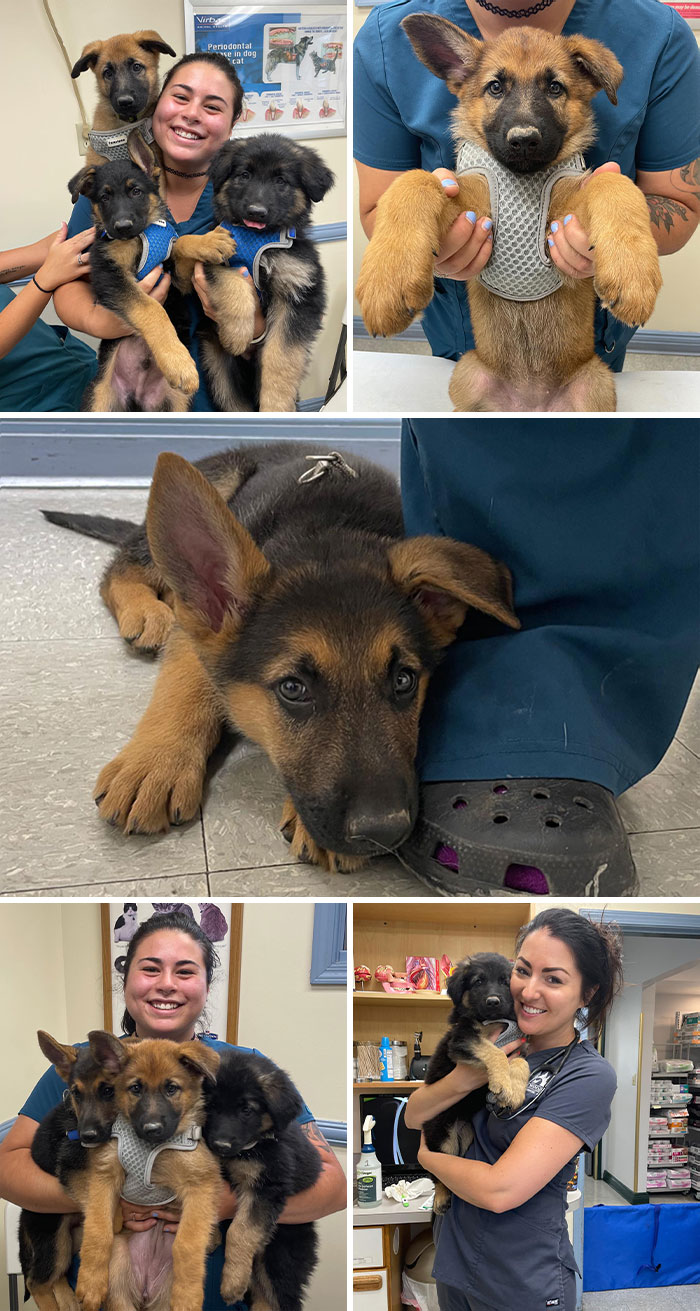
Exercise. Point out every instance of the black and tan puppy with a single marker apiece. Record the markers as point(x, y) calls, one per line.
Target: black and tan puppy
point(480, 991)
point(525, 99)
point(126, 72)
point(158, 1094)
point(84, 1120)
point(264, 189)
point(152, 370)
point(304, 621)
point(266, 1158)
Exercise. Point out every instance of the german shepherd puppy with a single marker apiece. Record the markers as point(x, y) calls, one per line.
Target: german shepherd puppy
point(85, 1119)
point(126, 72)
point(153, 370)
point(263, 185)
point(159, 1092)
point(304, 621)
point(265, 1156)
point(525, 97)
point(480, 991)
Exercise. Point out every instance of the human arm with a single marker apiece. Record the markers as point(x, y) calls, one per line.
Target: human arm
point(77, 308)
point(21, 1179)
point(54, 262)
point(433, 1098)
point(537, 1153)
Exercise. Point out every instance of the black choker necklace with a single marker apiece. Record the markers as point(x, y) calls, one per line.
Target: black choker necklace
point(205, 174)
point(515, 13)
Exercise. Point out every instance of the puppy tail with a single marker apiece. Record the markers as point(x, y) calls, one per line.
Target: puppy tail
point(116, 531)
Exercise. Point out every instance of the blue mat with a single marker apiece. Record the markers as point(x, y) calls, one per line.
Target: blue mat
point(641, 1246)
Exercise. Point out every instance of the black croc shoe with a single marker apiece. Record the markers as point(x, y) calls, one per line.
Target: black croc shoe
point(545, 836)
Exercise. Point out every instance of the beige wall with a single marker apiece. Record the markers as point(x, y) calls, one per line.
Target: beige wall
point(37, 84)
point(678, 306)
point(51, 978)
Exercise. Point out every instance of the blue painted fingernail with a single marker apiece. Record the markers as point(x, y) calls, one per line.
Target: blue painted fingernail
point(487, 225)
point(550, 241)
point(245, 273)
point(447, 182)
point(568, 219)
point(471, 216)
point(555, 226)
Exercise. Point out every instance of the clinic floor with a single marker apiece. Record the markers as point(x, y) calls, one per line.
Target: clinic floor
point(72, 692)
point(680, 1298)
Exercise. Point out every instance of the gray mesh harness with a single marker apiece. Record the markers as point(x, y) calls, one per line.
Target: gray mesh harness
point(137, 1158)
point(519, 267)
point(113, 145)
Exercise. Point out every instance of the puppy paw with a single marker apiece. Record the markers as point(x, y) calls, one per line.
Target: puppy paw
point(149, 786)
point(393, 288)
point(304, 847)
point(180, 370)
point(219, 246)
point(91, 1292)
point(442, 1200)
point(627, 280)
point(233, 1286)
point(512, 1094)
point(236, 335)
point(146, 625)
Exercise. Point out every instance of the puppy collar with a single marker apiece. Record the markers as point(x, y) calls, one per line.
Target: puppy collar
point(519, 267)
point(156, 244)
point(251, 244)
point(137, 1158)
point(113, 144)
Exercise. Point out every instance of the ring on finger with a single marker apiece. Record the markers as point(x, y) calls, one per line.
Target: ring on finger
point(80, 258)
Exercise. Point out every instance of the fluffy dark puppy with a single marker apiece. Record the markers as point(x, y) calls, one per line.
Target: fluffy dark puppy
point(480, 991)
point(265, 1156)
point(264, 188)
point(84, 1119)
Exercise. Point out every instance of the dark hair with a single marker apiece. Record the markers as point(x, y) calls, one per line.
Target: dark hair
point(597, 950)
point(178, 922)
point(216, 60)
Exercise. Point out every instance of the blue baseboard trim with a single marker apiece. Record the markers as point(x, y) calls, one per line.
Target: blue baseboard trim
point(335, 1131)
point(6, 1126)
point(645, 340)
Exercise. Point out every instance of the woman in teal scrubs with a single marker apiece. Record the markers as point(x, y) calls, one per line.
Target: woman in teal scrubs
point(199, 104)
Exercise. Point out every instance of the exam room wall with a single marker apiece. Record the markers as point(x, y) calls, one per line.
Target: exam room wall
point(677, 308)
point(40, 153)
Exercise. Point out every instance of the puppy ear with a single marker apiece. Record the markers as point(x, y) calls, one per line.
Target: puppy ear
point(108, 1051)
point(141, 153)
point(316, 179)
point(206, 556)
point(63, 1058)
point(455, 983)
point(83, 183)
point(443, 578)
point(153, 43)
point(598, 65)
point(281, 1098)
point(88, 59)
point(223, 162)
point(444, 48)
point(203, 1060)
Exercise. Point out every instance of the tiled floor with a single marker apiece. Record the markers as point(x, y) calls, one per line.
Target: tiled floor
point(72, 693)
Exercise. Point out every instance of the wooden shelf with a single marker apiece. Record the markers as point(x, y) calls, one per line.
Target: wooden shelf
point(401, 998)
point(376, 1085)
point(446, 913)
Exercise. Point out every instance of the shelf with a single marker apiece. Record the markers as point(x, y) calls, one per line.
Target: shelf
point(677, 1074)
point(449, 914)
point(378, 1085)
point(678, 1134)
point(402, 998)
point(685, 1189)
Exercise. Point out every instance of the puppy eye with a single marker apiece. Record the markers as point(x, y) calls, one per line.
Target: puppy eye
point(106, 1092)
point(136, 1088)
point(556, 89)
point(243, 176)
point(292, 689)
point(281, 182)
point(136, 191)
point(495, 88)
point(405, 682)
point(170, 1089)
point(107, 72)
point(138, 68)
point(76, 1094)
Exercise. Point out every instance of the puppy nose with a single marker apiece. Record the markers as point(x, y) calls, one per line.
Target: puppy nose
point(493, 1002)
point(523, 136)
point(152, 1127)
point(123, 226)
point(88, 1135)
point(387, 829)
point(222, 1144)
point(257, 213)
point(125, 102)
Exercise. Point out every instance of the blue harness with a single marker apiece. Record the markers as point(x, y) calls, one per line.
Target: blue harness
point(156, 244)
point(251, 244)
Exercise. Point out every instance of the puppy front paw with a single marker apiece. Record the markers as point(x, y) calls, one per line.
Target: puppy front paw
point(148, 787)
point(442, 1200)
point(218, 246)
point(394, 286)
point(511, 1094)
point(234, 1285)
point(91, 1290)
point(627, 279)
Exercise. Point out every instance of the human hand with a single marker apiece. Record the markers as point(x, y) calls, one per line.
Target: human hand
point(569, 246)
point(68, 258)
point(468, 245)
point(139, 1218)
point(155, 286)
point(199, 282)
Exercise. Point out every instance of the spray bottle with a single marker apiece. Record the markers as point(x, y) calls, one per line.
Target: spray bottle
point(369, 1170)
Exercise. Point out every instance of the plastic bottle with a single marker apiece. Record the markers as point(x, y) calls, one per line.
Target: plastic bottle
point(369, 1171)
point(386, 1060)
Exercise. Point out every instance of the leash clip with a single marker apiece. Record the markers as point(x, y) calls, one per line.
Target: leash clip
point(333, 460)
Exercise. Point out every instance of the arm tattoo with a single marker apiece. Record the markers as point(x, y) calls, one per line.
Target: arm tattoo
point(313, 1132)
point(688, 178)
point(664, 211)
point(8, 274)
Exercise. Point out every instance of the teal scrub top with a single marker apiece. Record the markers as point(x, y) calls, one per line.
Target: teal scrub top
point(402, 117)
point(48, 369)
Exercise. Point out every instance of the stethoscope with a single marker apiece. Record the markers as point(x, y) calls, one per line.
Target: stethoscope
point(540, 1079)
